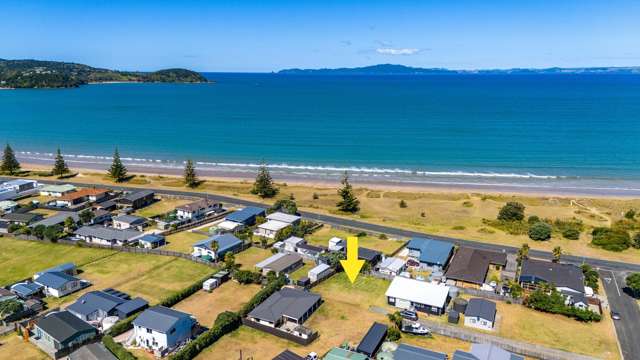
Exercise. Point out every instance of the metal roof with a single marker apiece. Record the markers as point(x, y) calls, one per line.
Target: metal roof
point(62, 267)
point(57, 219)
point(373, 339)
point(431, 251)
point(129, 219)
point(26, 289)
point(319, 269)
point(63, 325)
point(160, 318)
point(108, 233)
point(409, 352)
point(288, 302)
point(54, 280)
point(283, 217)
point(245, 214)
point(288, 355)
point(93, 301)
point(137, 195)
point(343, 354)
point(420, 292)
point(472, 265)
point(151, 238)
point(132, 305)
point(560, 275)
point(481, 308)
point(224, 241)
point(279, 263)
point(94, 351)
point(485, 352)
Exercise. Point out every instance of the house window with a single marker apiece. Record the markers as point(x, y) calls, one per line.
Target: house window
point(149, 331)
point(173, 330)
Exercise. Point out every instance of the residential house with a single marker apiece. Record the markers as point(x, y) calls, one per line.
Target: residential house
point(198, 209)
point(370, 343)
point(106, 205)
point(434, 254)
point(6, 295)
point(371, 256)
point(79, 197)
point(344, 354)
point(336, 244)
point(26, 290)
point(56, 190)
point(67, 268)
point(60, 332)
point(137, 200)
point(107, 236)
point(319, 272)
point(57, 219)
point(309, 251)
point(100, 216)
point(225, 243)
point(291, 244)
point(246, 216)
point(469, 267)
point(568, 279)
point(14, 189)
point(123, 222)
point(161, 329)
point(276, 221)
point(151, 241)
point(22, 219)
point(422, 296)
point(480, 314)
point(391, 266)
point(94, 306)
point(59, 284)
point(94, 351)
point(8, 206)
point(287, 305)
point(288, 355)
point(280, 263)
point(485, 352)
point(410, 352)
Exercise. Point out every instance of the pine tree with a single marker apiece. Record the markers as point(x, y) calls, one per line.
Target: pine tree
point(60, 166)
point(117, 171)
point(190, 176)
point(349, 202)
point(264, 186)
point(9, 164)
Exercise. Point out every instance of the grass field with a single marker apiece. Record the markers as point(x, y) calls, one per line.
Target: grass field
point(206, 306)
point(322, 236)
point(13, 347)
point(249, 258)
point(21, 259)
point(161, 207)
point(456, 213)
point(183, 241)
point(302, 272)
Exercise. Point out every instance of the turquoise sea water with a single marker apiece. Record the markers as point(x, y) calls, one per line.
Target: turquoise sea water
point(529, 130)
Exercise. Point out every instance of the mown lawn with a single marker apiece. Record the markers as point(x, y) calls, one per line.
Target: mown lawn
point(302, 272)
point(249, 258)
point(21, 259)
point(161, 207)
point(13, 347)
point(183, 241)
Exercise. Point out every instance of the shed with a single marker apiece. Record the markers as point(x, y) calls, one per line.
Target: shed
point(371, 342)
point(454, 317)
point(319, 272)
point(409, 352)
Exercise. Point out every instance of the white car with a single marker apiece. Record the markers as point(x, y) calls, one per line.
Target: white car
point(312, 356)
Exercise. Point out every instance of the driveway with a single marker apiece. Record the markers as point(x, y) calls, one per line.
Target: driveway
point(628, 327)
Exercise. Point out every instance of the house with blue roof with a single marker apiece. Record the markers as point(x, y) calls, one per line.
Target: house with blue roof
point(224, 243)
point(94, 306)
point(67, 268)
point(161, 329)
point(151, 241)
point(430, 253)
point(59, 284)
point(246, 216)
point(26, 290)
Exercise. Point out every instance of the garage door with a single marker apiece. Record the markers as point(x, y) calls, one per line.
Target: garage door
point(404, 304)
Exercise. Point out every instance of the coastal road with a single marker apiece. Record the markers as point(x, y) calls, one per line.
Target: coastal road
point(628, 327)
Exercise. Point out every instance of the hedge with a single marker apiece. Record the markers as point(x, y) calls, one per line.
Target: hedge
point(262, 295)
point(122, 326)
point(184, 293)
point(225, 323)
point(118, 350)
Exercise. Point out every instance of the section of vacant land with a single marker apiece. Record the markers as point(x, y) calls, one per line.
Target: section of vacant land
point(249, 258)
point(13, 347)
point(322, 236)
point(21, 259)
point(206, 306)
point(437, 343)
point(183, 241)
point(251, 343)
point(163, 206)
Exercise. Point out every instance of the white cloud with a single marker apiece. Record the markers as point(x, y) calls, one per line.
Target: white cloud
point(392, 51)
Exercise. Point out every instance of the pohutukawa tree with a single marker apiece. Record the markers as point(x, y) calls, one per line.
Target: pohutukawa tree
point(10, 164)
point(349, 202)
point(190, 176)
point(117, 171)
point(60, 167)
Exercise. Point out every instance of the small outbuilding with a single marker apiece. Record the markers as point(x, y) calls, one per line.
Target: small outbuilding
point(480, 314)
point(371, 342)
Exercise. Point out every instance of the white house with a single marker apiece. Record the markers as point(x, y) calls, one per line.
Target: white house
point(391, 266)
point(283, 217)
point(197, 209)
point(107, 236)
point(422, 296)
point(124, 222)
point(291, 244)
point(336, 244)
point(59, 284)
point(12, 189)
point(8, 206)
point(319, 272)
point(480, 314)
point(161, 329)
point(270, 228)
point(56, 190)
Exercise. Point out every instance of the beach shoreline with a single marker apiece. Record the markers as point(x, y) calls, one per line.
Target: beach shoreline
point(362, 182)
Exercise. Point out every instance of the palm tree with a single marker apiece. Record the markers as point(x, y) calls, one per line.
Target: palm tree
point(557, 253)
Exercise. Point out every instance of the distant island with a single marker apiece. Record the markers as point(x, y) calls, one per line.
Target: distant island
point(24, 74)
point(391, 69)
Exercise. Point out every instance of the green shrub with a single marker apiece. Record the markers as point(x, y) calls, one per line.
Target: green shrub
point(122, 326)
point(533, 219)
point(511, 211)
point(247, 277)
point(467, 204)
point(611, 239)
point(554, 303)
point(510, 227)
point(571, 234)
point(403, 204)
point(383, 237)
point(590, 277)
point(361, 234)
point(540, 231)
point(184, 293)
point(393, 334)
point(458, 227)
point(118, 350)
point(636, 241)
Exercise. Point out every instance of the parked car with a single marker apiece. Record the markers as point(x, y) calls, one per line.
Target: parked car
point(312, 356)
point(415, 328)
point(615, 315)
point(409, 315)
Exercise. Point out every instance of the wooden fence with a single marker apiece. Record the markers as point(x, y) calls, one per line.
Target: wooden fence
point(281, 333)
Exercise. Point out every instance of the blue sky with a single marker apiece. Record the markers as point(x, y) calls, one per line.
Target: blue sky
point(270, 35)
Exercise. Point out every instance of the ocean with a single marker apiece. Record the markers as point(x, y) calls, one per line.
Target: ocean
point(522, 131)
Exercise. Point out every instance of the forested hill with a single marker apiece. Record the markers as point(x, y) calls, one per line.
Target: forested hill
point(55, 74)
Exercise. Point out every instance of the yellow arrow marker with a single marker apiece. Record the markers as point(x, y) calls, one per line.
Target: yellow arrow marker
point(352, 265)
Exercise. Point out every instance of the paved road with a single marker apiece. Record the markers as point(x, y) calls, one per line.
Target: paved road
point(628, 327)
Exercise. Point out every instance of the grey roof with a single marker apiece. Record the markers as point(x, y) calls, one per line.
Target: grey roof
point(58, 218)
point(311, 248)
point(54, 280)
point(560, 275)
point(107, 233)
point(160, 318)
point(21, 217)
point(198, 205)
point(93, 301)
point(485, 352)
point(481, 308)
point(137, 195)
point(152, 238)
point(368, 254)
point(63, 325)
point(372, 339)
point(132, 305)
point(95, 351)
point(409, 352)
point(288, 302)
point(106, 204)
point(288, 355)
point(130, 219)
point(471, 265)
point(279, 262)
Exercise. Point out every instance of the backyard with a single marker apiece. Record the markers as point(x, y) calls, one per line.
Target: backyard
point(164, 205)
point(183, 241)
point(321, 238)
point(13, 346)
point(247, 259)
